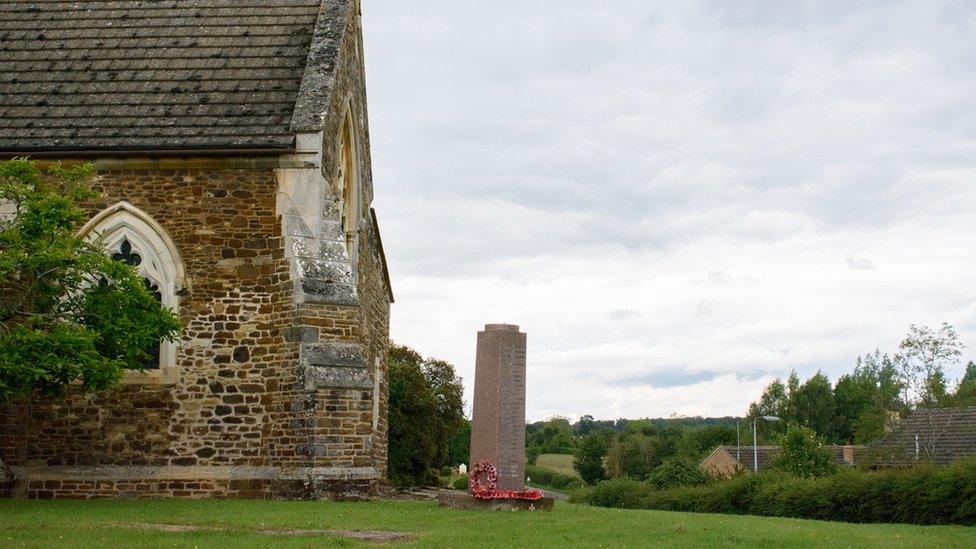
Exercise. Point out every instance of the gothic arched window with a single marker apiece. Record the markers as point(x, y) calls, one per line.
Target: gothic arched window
point(131, 236)
point(347, 187)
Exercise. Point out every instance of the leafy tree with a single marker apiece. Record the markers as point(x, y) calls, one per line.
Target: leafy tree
point(853, 396)
point(677, 471)
point(426, 411)
point(923, 357)
point(459, 447)
point(589, 456)
point(634, 456)
point(775, 401)
point(866, 398)
point(965, 394)
point(694, 443)
point(554, 436)
point(639, 427)
point(585, 425)
point(68, 312)
point(812, 404)
point(449, 394)
point(802, 453)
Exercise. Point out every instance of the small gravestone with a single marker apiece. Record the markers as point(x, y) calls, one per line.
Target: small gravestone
point(498, 427)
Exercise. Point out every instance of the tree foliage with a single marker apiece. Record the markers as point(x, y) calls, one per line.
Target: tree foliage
point(68, 312)
point(589, 455)
point(966, 391)
point(802, 453)
point(812, 404)
point(553, 436)
point(459, 446)
point(922, 360)
point(860, 407)
point(633, 456)
point(426, 411)
point(863, 396)
point(677, 471)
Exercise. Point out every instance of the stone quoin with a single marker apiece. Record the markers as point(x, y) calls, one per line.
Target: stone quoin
point(232, 149)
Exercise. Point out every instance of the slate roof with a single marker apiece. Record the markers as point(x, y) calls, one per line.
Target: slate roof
point(159, 74)
point(944, 435)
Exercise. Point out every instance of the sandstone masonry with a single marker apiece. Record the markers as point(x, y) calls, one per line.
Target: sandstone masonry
point(269, 251)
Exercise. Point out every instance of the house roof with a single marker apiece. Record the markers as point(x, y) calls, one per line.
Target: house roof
point(744, 455)
point(944, 435)
point(767, 454)
point(163, 75)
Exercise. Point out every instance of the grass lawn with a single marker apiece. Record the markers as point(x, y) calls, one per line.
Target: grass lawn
point(558, 463)
point(304, 524)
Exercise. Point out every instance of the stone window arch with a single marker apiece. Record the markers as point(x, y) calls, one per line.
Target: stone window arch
point(132, 236)
point(347, 185)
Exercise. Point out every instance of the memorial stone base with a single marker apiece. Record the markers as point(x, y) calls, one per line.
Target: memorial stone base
point(467, 502)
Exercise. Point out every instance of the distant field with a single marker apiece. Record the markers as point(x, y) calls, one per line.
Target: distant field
point(559, 463)
point(276, 524)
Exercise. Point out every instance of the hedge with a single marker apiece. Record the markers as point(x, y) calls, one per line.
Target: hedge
point(552, 478)
point(922, 495)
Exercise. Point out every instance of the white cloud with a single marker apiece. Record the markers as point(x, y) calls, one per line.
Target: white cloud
point(676, 201)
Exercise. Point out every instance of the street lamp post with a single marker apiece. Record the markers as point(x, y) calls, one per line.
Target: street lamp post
point(738, 444)
point(755, 446)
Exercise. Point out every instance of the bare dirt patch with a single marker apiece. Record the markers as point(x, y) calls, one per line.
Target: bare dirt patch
point(371, 536)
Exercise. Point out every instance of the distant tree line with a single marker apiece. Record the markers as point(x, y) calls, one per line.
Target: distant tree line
point(660, 450)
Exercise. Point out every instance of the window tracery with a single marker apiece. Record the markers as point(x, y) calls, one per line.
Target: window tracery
point(131, 236)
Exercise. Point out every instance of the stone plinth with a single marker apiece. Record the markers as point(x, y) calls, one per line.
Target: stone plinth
point(467, 502)
point(498, 422)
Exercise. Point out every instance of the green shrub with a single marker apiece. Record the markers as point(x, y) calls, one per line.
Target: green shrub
point(804, 454)
point(622, 493)
point(922, 495)
point(677, 471)
point(460, 483)
point(446, 471)
point(552, 479)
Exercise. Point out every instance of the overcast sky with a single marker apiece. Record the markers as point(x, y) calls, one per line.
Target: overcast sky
point(677, 201)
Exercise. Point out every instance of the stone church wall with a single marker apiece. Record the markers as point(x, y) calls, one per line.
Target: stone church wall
point(250, 413)
point(233, 361)
point(240, 421)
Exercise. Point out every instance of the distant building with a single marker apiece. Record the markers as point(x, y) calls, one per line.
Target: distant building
point(935, 435)
point(726, 461)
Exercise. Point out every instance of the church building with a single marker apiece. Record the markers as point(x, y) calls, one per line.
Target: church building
point(231, 143)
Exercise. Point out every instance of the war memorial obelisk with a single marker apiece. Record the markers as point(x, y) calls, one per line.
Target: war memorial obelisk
point(498, 417)
point(498, 428)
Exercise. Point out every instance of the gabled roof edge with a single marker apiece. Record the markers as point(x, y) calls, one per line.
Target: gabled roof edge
point(379, 242)
point(318, 79)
